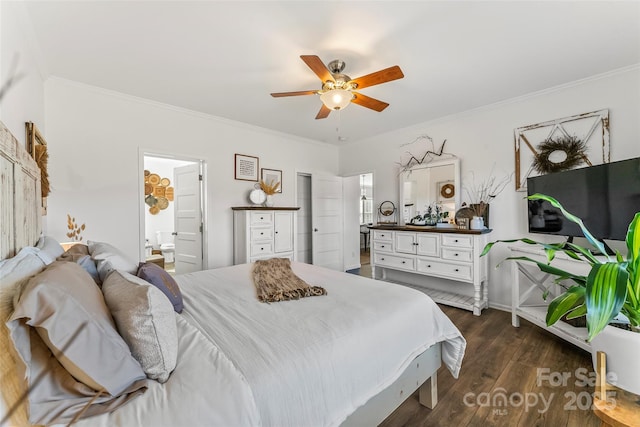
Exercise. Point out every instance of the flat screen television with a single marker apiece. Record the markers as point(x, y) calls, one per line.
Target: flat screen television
point(606, 197)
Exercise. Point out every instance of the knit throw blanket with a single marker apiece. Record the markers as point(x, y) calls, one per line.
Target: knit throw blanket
point(275, 281)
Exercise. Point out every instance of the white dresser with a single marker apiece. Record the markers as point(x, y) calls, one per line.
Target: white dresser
point(261, 233)
point(450, 254)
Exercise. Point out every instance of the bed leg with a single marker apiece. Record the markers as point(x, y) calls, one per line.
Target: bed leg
point(429, 392)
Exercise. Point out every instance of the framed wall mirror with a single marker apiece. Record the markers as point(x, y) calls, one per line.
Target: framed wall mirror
point(437, 182)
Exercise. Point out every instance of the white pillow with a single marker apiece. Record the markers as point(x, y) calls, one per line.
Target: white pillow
point(50, 249)
point(109, 258)
point(146, 320)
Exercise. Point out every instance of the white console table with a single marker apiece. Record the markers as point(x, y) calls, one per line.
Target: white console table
point(448, 253)
point(528, 285)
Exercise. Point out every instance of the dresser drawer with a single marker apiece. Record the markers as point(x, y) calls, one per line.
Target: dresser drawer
point(258, 249)
point(383, 246)
point(454, 254)
point(457, 241)
point(405, 263)
point(382, 235)
point(261, 218)
point(445, 269)
point(264, 233)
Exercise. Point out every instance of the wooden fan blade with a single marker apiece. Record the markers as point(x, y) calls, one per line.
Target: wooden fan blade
point(382, 76)
point(366, 101)
point(323, 113)
point(316, 65)
point(302, 92)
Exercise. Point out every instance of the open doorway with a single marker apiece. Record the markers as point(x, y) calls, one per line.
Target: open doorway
point(163, 187)
point(358, 215)
point(366, 217)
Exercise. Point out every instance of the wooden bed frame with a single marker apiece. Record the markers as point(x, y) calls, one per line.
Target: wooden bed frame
point(20, 202)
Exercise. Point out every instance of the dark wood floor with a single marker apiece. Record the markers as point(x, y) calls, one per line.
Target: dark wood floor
point(503, 360)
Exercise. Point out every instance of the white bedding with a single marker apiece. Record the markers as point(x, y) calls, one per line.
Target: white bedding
point(309, 362)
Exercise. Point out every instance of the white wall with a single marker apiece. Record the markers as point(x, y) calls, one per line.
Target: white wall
point(95, 137)
point(24, 102)
point(484, 137)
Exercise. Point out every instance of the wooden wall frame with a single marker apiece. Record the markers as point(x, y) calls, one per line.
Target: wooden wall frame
point(246, 168)
point(38, 149)
point(268, 175)
point(592, 128)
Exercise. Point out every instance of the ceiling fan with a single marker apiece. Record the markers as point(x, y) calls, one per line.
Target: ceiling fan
point(339, 90)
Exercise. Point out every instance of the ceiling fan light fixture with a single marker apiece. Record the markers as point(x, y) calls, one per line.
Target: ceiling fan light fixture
point(336, 99)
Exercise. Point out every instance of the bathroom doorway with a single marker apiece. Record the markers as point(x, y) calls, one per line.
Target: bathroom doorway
point(159, 217)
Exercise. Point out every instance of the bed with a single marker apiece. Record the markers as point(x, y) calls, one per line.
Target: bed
point(349, 357)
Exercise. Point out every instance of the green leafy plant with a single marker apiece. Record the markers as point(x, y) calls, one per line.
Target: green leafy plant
point(611, 287)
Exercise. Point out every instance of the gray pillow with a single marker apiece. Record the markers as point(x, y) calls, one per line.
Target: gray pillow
point(162, 280)
point(64, 301)
point(109, 258)
point(55, 396)
point(146, 320)
point(14, 274)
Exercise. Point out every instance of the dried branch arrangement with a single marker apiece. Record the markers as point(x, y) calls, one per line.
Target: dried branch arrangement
point(270, 188)
point(483, 192)
point(427, 157)
point(75, 230)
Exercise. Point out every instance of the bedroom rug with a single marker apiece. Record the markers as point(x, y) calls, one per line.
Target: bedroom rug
point(275, 281)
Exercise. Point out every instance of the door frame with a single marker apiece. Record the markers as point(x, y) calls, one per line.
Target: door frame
point(151, 152)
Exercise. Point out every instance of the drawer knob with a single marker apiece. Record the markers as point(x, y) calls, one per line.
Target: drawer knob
point(261, 234)
point(456, 240)
point(457, 270)
point(428, 265)
point(277, 233)
point(404, 262)
point(261, 217)
point(456, 254)
point(382, 246)
point(381, 259)
point(262, 249)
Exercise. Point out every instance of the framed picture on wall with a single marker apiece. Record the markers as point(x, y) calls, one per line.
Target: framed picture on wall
point(246, 167)
point(272, 176)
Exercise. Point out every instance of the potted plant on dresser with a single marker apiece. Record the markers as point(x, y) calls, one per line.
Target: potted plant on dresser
point(611, 288)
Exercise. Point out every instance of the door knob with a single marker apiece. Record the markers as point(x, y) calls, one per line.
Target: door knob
point(174, 233)
point(315, 229)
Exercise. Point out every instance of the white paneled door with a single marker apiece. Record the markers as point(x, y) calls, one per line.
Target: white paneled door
point(188, 218)
point(327, 218)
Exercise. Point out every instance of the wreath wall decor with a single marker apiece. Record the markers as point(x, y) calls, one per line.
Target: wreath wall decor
point(561, 144)
point(570, 152)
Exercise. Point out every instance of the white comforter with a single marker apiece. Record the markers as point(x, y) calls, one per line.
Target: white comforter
point(309, 362)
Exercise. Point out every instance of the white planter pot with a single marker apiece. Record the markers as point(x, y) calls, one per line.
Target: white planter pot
point(623, 357)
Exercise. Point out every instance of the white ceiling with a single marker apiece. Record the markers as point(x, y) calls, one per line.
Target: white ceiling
point(225, 57)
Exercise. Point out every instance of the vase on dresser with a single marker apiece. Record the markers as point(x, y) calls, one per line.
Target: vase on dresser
point(269, 201)
point(477, 223)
